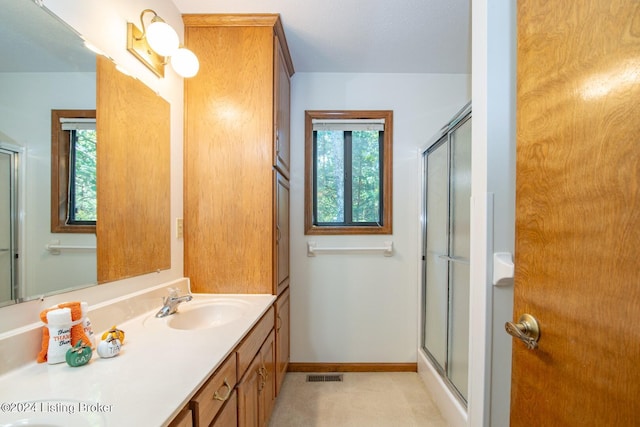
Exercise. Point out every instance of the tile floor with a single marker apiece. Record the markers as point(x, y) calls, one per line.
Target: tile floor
point(387, 399)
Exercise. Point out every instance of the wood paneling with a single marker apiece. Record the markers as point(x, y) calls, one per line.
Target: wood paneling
point(133, 177)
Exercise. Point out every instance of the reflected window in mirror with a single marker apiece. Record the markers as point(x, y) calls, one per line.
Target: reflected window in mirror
point(73, 171)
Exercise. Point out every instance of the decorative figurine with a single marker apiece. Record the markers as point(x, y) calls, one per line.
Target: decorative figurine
point(79, 355)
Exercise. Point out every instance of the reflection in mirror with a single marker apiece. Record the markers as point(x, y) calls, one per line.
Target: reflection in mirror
point(73, 171)
point(134, 176)
point(44, 67)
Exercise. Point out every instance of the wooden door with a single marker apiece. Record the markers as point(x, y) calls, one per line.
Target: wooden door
point(578, 213)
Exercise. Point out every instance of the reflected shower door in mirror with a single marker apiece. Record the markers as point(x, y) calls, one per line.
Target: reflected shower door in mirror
point(8, 213)
point(44, 66)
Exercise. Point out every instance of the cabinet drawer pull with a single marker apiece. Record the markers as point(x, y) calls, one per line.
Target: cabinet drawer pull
point(216, 396)
point(262, 381)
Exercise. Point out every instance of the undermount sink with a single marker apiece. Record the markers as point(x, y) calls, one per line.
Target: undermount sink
point(205, 314)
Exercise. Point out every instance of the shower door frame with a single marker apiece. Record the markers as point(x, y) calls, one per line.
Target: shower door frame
point(442, 138)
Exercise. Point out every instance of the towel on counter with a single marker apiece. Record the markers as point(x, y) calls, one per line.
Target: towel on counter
point(77, 330)
point(42, 356)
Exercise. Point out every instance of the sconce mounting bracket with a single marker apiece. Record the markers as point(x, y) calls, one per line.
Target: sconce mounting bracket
point(138, 46)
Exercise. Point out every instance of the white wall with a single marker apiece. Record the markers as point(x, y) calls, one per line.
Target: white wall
point(25, 116)
point(103, 23)
point(364, 308)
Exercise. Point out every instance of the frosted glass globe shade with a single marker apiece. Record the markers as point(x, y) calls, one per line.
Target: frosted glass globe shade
point(162, 38)
point(185, 63)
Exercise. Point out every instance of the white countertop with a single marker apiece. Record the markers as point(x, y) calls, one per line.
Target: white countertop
point(156, 373)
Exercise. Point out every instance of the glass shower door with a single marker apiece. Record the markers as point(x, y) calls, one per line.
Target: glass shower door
point(436, 270)
point(446, 237)
point(460, 211)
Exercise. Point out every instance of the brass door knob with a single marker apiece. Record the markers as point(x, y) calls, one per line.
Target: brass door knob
point(526, 330)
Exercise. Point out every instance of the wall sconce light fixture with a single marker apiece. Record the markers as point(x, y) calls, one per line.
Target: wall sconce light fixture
point(157, 44)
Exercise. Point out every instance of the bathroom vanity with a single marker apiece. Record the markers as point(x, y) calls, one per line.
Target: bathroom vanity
point(214, 361)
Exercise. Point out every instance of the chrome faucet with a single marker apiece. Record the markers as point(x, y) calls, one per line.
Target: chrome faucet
point(171, 303)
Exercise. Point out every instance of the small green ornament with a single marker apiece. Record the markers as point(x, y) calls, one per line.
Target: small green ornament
point(79, 355)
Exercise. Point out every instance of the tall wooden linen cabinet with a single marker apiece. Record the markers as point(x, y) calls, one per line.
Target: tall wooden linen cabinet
point(236, 163)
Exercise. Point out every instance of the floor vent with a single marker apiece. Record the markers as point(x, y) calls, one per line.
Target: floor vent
point(324, 378)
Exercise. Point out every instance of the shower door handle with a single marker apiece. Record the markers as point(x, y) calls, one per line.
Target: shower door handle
point(526, 330)
point(454, 259)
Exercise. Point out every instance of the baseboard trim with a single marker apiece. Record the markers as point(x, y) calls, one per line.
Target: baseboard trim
point(352, 367)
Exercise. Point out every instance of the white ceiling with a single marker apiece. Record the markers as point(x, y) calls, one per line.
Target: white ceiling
point(352, 36)
point(365, 36)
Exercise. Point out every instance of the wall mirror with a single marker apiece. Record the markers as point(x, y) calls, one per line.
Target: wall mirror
point(46, 67)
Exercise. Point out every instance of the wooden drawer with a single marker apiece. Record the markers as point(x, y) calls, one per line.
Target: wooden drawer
point(214, 393)
point(228, 417)
point(250, 346)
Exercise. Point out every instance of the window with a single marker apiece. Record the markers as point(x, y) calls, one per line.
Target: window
point(348, 172)
point(73, 171)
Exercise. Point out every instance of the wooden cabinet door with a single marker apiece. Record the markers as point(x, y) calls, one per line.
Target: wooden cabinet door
point(281, 249)
point(267, 396)
point(256, 391)
point(281, 110)
point(228, 417)
point(249, 395)
point(228, 161)
point(282, 338)
point(183, 419)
